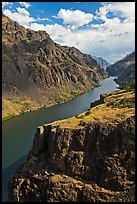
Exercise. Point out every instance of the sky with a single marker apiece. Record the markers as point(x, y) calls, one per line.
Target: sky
point(102, 29)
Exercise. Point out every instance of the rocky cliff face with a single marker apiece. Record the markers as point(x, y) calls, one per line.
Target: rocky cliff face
point(12, 32)
point(90, 157)
point(124, 69)
point(37, 72)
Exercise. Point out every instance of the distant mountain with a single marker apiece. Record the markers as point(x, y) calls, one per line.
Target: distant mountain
point(130, 56)
point(37, 72)
point(102, 62)
point(124, 69)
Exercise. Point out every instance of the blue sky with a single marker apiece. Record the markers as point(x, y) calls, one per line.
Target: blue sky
point(104, 29)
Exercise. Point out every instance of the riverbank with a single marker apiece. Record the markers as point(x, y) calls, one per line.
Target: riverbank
point(21, 129)
point(21, 108)
point(93, 141)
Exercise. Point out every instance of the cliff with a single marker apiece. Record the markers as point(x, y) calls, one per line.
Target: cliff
point(36, 72)
point(89, 157)
point(124, 69)
point(98, 102)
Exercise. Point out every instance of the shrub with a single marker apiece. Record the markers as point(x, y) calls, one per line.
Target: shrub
point(123, 103)
point(87, 113)
point(76, 116)
point(132, 85)
point(82, 123)
point(81, 117)
point(8, 117)
point(78, 178)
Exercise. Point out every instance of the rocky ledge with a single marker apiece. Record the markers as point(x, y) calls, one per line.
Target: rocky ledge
point(93, 161)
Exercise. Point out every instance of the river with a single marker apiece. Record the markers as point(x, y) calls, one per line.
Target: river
point(18, 132)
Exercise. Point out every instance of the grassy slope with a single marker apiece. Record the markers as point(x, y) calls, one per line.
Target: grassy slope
point(12, 108)
point(117, 106)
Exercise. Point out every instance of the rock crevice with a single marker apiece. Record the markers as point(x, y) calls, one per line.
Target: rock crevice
point(100, 155)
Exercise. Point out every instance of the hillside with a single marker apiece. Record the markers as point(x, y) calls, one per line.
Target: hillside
point(89, 157)
point(36, 72)
point(102, 62)
point(124, 69)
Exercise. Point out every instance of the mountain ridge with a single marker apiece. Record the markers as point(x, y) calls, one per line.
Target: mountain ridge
point(102, 62)
point(38, 72)
point(124, 69)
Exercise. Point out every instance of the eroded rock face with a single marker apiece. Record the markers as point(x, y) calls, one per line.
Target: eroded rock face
point(99, 153)
point(82, 151)
point(40, 72)
point(45, 187)
point(15, 32)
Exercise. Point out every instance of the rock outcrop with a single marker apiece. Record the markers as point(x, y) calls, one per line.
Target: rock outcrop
point(82, 158)
point(124, 69)
point(98, 102)
point(47, 187)
point(36, 72)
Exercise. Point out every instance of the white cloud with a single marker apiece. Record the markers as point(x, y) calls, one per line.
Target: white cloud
point(6, 4)
point(125, 9)
point(74, 18)
point(25, 4)
point(56, 31)
point(35, 26)
point(23, 11)
point(44, 19)
point(55, 16)
point(112, 39)
point(22, 16)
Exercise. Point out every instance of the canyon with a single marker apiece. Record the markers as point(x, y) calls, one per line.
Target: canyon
point(39, 73)
point(89, 157)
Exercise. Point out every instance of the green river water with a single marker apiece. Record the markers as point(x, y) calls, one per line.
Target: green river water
point(18, 132)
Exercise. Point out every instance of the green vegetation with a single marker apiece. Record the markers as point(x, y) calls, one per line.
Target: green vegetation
point(8, 117)
point(26, 108)
point(81, 116)
point(88, 113)
point(123, 103)
point(22, 111)
point(73, 95)
point(9, 99)
point(82, 123)
point(132, 85)
point(77, 116)
point(78, 178)
point(121, 87)
point(70, 95)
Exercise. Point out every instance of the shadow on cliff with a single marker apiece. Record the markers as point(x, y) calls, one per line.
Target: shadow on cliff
point(6, 173)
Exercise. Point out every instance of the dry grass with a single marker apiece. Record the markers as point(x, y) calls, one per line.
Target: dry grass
point(101, 113)
point(17, 107)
